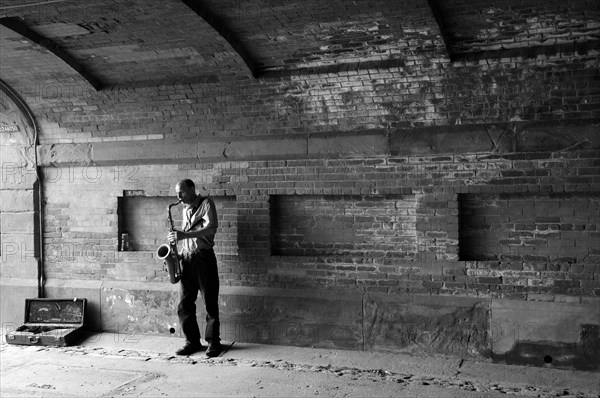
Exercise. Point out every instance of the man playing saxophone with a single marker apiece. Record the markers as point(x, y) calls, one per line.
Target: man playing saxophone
point(199, 269)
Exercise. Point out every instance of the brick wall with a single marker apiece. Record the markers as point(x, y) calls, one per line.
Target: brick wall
point(294, 227)
point(509, 27)
point(420, 95)
point(415, 172)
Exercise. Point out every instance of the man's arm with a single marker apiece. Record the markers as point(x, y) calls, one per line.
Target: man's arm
point(196, 233)
point(179, 235)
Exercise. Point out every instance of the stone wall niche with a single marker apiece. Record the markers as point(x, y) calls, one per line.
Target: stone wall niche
point(369, 226)
point(144, 224)
point(529, 227)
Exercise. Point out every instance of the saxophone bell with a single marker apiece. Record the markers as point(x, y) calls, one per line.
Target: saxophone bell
point(171, 262)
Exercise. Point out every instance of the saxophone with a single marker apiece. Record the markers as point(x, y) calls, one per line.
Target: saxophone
point(168, 252)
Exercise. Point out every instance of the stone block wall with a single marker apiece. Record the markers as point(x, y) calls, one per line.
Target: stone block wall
point(19, 211)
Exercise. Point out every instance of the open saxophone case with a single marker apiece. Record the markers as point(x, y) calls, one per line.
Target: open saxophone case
point(50, 321)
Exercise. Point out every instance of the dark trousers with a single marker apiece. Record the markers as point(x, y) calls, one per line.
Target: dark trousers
point(199, 273)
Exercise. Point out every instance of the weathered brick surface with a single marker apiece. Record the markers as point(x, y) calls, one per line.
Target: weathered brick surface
point(460, 94)
point(387, 225)
point(505, 26)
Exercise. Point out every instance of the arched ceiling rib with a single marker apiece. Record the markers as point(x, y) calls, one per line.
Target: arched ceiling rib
point(123, 42)
point(219, 25)
point(30, 68)
point(18, 27)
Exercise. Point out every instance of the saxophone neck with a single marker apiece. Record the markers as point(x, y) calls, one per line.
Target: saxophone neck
point(174, 204)
point(169, 214)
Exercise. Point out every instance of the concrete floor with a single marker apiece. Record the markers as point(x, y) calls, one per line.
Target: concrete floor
point(114, 365)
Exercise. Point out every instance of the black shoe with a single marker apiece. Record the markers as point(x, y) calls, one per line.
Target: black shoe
point(214, 349)
point(189, 349)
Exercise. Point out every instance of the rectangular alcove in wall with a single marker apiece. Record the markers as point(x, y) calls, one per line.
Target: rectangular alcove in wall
point(529, 227)
point(145, 220)
point(365, 226)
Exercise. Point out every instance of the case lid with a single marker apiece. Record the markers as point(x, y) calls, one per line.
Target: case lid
point(55, 311)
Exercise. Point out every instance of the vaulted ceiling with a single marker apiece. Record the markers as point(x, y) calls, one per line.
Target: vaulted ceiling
point(108, 43)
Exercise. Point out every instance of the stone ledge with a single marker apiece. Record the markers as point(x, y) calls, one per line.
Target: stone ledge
point(500, 138)
point(143, 152)
point(65, 154)
point(367, 144)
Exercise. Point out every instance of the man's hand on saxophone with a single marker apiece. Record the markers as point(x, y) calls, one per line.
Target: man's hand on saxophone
point(175, 236)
